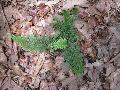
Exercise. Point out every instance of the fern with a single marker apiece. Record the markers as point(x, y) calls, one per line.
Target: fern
point(59, 44)
point(73, 58)
point(72, 55)
point(39, 43)
point(66, 26)
point(22, 41)
point(74, 11)
point(32, 43)
point(65, 40)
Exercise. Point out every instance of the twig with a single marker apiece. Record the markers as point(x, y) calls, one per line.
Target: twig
point(5, 16)
point(115, 58)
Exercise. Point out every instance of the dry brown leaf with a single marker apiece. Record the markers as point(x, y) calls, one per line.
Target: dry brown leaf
point(16, 27)
point(3, 70)
point(39, 64)
point(3, 58)
point(82, 28)
point(48, 65)
point(11, 85)
point(115, 31)
point(71, 3)
point(93, 11)
point(67, 81)
point(43, 10)
point(48, 86)
point(115, 80)
point(58, 61)
point(17, 70)
point(13, 13)
point(92, 22)
point(105, 6)
point(73, 85)
point(8, 42)
point(37, 82)
point(52, 86)
point(118, 3)
point(49, 3)
point(88, 50)
point(110, 69)
point(101, 6)
point(61, 76)
point(44, 85)
point(41, 23)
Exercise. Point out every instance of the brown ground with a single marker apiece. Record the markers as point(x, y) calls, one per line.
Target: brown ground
point(98, 24)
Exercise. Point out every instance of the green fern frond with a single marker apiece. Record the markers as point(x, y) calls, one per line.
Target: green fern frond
point(74, 59)
point(20, 40)
point(74, 11)
point(72, 54)
point(32, 43)
point(59, 44)
point(66, 26)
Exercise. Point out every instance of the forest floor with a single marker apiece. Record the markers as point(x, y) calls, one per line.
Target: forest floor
point(98, 25)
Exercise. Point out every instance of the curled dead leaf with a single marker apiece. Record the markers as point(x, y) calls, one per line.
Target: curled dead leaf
point(43, 10)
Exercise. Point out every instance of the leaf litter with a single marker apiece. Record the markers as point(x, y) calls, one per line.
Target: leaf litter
point(98, 26)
